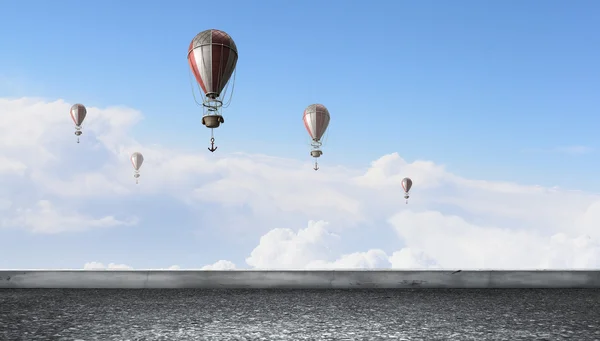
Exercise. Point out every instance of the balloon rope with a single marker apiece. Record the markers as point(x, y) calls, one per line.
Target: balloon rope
point(192, 86)
point(232, 89)
point(326, 136)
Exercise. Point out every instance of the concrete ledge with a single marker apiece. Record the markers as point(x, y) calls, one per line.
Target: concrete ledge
point(261, 279)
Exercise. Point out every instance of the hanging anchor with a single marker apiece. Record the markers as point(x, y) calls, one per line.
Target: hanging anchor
point(212, 147)
point(212, 141)
point(316, 154)
point(78, 133)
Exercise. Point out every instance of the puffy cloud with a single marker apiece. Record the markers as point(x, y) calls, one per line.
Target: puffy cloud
point(372, 259)
point(455, 243)
point(411, 258)
point(284, 248)
point(50, 184)
point(220, 265)
point(314, 247)
point(434, 241)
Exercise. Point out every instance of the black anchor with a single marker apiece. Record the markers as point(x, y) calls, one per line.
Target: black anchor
point(212, 147)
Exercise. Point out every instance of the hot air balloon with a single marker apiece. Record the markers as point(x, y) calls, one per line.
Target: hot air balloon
point(212, 57)
point(406, 185)
point(136, 160)
point(316, 120)
point(78, 112)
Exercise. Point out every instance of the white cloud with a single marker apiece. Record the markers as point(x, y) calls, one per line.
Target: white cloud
point(11, 166)
point(435, 241)
point(372, 259)
point(110, 266)
point(411, 258)
point(284, 248)
point(220, 265)
point(455, 243)
point(50, 184)
point(46, 219)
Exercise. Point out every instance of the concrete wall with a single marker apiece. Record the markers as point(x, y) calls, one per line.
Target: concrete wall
point(297, 279)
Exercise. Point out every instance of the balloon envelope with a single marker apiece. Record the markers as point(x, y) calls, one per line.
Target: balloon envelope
point(406, 184)
point(78, 113)
point(212, 56)
point(136, 160)
point(316, 120)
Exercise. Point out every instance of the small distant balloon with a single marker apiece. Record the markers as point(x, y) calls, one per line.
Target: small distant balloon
point(78, 113)
point(137, 159)
point(316, 120)
point(406, 185)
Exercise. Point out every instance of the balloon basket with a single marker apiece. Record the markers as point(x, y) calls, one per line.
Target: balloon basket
point(316, 153)
point(212, 121)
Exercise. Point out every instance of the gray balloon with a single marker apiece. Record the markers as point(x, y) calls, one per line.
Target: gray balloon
point(78, 113)
point(137, 159)
point(406, 184)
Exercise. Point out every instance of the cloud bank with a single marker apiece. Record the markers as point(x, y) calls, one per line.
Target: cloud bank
point(278, 213)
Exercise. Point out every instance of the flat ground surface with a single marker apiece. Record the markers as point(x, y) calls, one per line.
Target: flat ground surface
point(441, 314)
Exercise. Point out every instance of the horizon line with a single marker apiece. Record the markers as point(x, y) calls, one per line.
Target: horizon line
point(302, 270)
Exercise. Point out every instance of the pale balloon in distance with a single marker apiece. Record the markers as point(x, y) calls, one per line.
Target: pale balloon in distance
point(78, 113)
point(137, 159)
point(316, 120)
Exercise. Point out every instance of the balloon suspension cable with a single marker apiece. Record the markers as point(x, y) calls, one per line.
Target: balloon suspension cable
point(225, 91)
point(212, 105)
point(78, 132)
point(193, 90)
point(316, 145)
point(325, 137)
point(212, 147)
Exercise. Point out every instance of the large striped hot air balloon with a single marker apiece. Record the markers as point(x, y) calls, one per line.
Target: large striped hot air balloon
point(316, 120)
point(212, 57)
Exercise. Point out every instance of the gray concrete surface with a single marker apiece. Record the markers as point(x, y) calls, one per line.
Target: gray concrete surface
point(297, 279)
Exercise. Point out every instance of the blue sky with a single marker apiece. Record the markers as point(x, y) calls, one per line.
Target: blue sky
point(495, 91)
